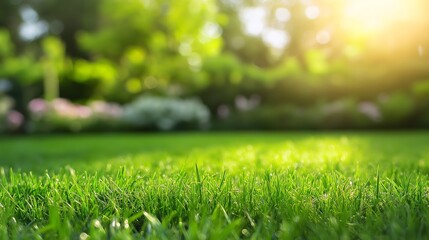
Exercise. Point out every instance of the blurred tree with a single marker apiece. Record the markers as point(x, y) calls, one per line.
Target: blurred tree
point(53, 62)
point(22, 70)
point(10, 17)
point(66, 18)
point(177, 34)
point(249, 49)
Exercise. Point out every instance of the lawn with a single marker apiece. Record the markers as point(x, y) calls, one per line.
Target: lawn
point(216, 186)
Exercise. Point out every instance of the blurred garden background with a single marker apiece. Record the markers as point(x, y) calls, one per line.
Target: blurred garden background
point(146, 65)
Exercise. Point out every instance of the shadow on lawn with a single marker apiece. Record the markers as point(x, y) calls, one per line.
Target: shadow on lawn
point(40, 153)
point(98, 152)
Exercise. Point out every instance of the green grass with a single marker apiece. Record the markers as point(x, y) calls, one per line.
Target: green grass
point(216, 186)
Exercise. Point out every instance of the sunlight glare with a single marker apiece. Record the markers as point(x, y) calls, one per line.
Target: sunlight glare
point(373, 15)
point(276, 38)
point(282, 14)
point(253, 20)
point(312, 12)
point(420, 50)
point(323, 37)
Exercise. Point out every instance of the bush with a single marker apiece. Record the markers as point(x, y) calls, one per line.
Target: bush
point(158, 113)
point(263, 118)
point(5, 105)
point(10, 120)
point(60, 115)
point(346, 113)
point(106, 116)
point(396, 109)
point(148, 113)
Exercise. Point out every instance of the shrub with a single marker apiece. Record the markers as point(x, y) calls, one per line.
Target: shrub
point(158, 113)
point(106, 116)
point(346, 113)
point(61, 115)
point(396, 108)
point(10, 120)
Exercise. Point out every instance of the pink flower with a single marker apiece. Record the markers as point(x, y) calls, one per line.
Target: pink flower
point(38, 106)
point(65, 108)
point(98, 106)
point(15, 119)
point(62, 105)
point(83, 112)
point(106, 109)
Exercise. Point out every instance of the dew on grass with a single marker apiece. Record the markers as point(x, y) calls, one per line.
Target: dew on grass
point(83, 236)
point(97, 224)
point(126, 224)
point(115, 224)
